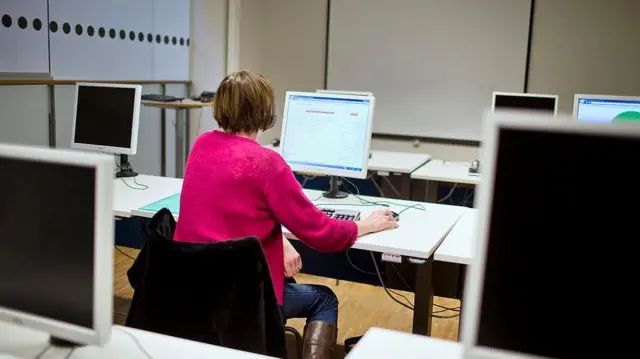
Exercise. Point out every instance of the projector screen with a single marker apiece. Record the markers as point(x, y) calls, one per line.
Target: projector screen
point(431, 76)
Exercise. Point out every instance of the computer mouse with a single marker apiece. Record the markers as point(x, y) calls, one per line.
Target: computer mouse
point(275, 142)
point(396, 216)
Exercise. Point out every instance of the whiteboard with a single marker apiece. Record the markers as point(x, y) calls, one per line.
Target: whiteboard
point(432, 64)
point(23, 36)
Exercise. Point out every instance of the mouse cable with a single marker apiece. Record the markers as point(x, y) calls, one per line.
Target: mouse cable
point(141, 187)
point(136, 341)
point(384, 203)
point(124, 254)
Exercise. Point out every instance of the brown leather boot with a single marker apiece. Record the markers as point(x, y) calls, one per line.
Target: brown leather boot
point(319, 340)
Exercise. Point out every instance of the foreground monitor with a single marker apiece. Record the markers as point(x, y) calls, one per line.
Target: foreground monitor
point(327, 134)
point(56, 243)
point(606, 109)
point(550, 245)
point(510, 101)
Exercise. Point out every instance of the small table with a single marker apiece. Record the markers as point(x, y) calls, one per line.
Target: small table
point(183, 140)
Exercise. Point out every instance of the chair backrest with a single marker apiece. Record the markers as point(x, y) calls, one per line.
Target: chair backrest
point(217, 293)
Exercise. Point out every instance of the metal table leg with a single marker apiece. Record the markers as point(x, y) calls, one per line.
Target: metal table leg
point(423, 304)
point(179, 143)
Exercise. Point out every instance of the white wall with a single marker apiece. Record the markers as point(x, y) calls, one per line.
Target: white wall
point(208, 56)
point(577, 46)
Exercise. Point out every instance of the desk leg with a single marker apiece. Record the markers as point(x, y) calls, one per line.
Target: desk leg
point(423, 305)
point(432, 192)
point(179, 143)
point(187, 135)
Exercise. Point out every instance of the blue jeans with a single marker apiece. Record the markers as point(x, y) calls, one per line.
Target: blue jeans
point(314, 302)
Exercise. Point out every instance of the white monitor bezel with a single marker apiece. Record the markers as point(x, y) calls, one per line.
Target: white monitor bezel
point(102, 253)
point(577, 97)
point(362, 174)
point(524, 94)
point(493, 123)
point(133, 146)
point(343, 92)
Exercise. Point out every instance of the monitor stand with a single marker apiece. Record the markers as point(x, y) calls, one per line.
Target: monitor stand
point(334, 189)
point(62, 343)
point(126, 170)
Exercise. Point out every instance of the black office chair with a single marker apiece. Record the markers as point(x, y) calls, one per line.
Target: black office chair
point(216, 293)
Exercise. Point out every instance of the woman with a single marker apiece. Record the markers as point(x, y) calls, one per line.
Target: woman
point(234, 187)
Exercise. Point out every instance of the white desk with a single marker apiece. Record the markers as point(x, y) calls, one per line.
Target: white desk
point(459, 245)
point(125, 198)
point(383, 343)
point(390, 161)
point(21, 343)
point(445, 171)
point(418, 236)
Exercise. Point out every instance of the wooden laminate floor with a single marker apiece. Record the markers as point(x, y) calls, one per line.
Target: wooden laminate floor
point(361, 306)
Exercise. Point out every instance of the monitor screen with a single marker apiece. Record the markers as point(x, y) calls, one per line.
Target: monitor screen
point(556, 243)
point(47, 240)
point(105, 116)
point(524, 102)
point(607, 110)
point(329, 133)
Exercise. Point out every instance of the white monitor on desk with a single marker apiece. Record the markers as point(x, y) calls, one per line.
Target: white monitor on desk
point(327, 134)
point(56, 242)
point(541, 241)
point(513, 101)
point(606, 109)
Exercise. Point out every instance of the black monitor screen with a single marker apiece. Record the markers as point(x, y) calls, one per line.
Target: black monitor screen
point(530, 103)
point(104, 116)
point(562, 244)
point(47, 240)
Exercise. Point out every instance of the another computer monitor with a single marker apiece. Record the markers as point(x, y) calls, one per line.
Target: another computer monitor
point(548, 246)
point(327, 134)
point(106, 119)
point(56, 242)
point(342, 92)
point(512, 101)
point(606, 109)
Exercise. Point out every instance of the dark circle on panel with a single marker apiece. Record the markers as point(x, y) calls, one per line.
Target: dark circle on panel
point(123, 34)
point(181, 41)
point(102, 32)
point(6, 20)
point(188, 42)
point(66, 28)
point(150, 37)
point(158, 39)
point(37, 24)
point(78, 29)
point(22, 22)
point(90, 30)
point(166, 40)
point(140, 37)
point(112, 33)
point(53, 26)
point(132, 35)
point(174, 40)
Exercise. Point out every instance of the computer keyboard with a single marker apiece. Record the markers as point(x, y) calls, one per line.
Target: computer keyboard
point(343, 214)
point(159, 98)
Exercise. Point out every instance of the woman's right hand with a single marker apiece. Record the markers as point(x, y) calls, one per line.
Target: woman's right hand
point(376, 222)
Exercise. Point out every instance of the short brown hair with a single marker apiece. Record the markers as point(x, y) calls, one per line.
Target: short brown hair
point(244, 102)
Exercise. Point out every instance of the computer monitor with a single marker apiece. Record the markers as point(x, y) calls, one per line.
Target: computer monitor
point(327, 134)
point(606, 109)
point(106, 119)
point(524, 102)
point(56, 242)
point(550, 245)
point(341, 92)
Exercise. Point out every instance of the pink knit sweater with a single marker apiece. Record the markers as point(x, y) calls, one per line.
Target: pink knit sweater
point(234, 187)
